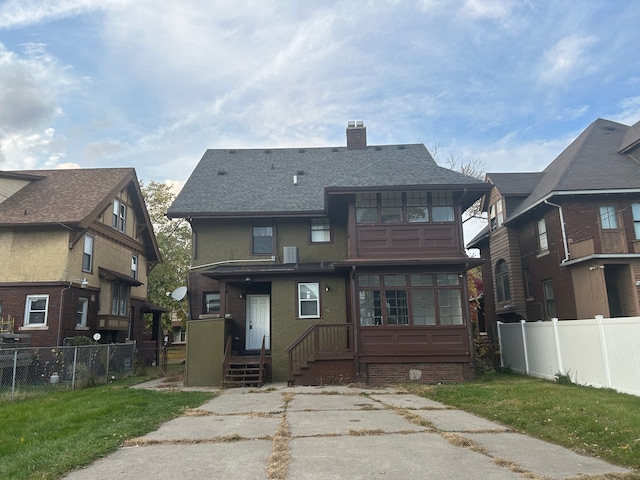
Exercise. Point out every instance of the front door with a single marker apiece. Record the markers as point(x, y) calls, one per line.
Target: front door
point(258, 322)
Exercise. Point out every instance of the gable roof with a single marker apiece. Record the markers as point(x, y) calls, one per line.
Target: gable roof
point(517, 184)
point(590, 164)
point(71, 198)
point(259, 181)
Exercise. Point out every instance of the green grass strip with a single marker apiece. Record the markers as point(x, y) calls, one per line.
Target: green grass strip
point(48, 436)
point(596, 422)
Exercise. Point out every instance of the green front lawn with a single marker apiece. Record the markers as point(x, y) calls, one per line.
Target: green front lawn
point(47, 436)
point(596, 422)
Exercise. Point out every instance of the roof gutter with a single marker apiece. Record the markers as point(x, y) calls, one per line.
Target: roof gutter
point(564, 233)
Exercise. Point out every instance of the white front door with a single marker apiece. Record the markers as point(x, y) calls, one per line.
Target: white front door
point(258, 322)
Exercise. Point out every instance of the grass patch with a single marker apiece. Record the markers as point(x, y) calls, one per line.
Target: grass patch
point(596, 422)
point(50, 435)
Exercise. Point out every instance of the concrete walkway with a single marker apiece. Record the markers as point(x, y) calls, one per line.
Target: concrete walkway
point(328, 433)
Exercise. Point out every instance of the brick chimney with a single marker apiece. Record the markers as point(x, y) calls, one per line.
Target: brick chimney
point(356, 135)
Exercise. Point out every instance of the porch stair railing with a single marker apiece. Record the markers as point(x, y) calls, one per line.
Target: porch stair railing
point(323, 342)
point(244, 371)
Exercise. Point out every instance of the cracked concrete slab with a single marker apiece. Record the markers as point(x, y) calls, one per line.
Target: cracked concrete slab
point(543, 458)
point(242, 460)
point(234, 403)
point(412, 402)
point(342, 422)
point(458, 421)
point(322, 402)
point(421, 455)
point(215, 426)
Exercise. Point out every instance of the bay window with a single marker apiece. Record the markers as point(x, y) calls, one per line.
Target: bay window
point(404, 207)
point(410, 299)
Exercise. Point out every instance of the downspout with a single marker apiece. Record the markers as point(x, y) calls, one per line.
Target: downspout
point(355, 319)
point(564, 233)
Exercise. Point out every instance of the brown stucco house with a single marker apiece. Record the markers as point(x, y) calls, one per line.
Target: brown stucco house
point(346, 263)
point(565, 242)
point(76, 247)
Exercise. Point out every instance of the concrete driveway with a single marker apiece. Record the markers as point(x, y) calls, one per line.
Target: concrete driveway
point(336, 433)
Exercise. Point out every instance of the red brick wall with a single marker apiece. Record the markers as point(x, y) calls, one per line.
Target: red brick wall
point(427, 373)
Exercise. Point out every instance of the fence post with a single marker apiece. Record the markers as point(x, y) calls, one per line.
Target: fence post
point(524, 346)
point(107, 366)
point(603, 348)
point(73, 377)
point(15, 372)
point(500, 345)
point(556, 337)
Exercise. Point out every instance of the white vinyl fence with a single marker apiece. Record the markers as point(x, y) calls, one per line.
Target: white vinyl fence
point(600, 352)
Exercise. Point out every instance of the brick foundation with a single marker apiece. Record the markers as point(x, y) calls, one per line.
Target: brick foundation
point(427, 373)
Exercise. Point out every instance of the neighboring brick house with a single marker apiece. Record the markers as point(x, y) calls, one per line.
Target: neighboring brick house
point(76, 247)
point(565, 242)
point(348, 261)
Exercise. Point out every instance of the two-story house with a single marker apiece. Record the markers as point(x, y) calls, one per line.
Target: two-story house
point(75, 250)
point(565, 242)
point(347, 262)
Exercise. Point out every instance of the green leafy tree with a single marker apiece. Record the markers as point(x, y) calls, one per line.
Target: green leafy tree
point(174, 241)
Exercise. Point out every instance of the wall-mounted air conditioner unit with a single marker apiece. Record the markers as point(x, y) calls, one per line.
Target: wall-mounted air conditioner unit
point(290, 255)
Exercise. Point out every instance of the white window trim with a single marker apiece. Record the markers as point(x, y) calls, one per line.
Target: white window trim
point(119, 221)
point(85, 303)
point(315, 288)
point(28, 310)
point(89, 253)
point(134, 266)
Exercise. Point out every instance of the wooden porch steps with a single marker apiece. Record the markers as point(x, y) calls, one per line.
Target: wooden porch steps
point(244, 372)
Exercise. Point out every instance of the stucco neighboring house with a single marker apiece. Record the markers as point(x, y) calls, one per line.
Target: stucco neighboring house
point(347, 262)
point(565, 242)
point(76, 247)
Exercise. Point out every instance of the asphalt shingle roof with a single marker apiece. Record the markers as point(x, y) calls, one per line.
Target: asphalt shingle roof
point(591, 162)
point(261, 181)
point(62, 196)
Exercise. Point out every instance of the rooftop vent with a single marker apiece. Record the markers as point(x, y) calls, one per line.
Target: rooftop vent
point(301, 150)
point(222, 172)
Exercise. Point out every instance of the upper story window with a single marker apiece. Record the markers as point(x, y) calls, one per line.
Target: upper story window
point(496, 215)
point(320, 230)
point(407, 207)
point(87, 256)
point(308, 300)
point(134, 266)
point(635, 208)
point(543, 244)
point(503, 292)
point(262, 240)
point(608, 217)
point(119, 218)
point(35, 312)
point(119, 298)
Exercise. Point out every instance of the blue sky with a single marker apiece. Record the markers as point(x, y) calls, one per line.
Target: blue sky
point(153, 83)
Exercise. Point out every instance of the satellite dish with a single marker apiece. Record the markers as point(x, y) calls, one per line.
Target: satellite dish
point(179, 293)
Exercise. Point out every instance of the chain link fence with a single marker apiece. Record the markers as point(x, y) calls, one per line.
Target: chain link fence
point(40, 369)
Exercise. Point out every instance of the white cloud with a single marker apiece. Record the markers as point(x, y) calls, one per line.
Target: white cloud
point(568, 58)
point(630, 113)
point(14, 13)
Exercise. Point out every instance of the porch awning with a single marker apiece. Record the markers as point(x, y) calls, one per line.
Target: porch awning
point(118, 277)
point(226, 271)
